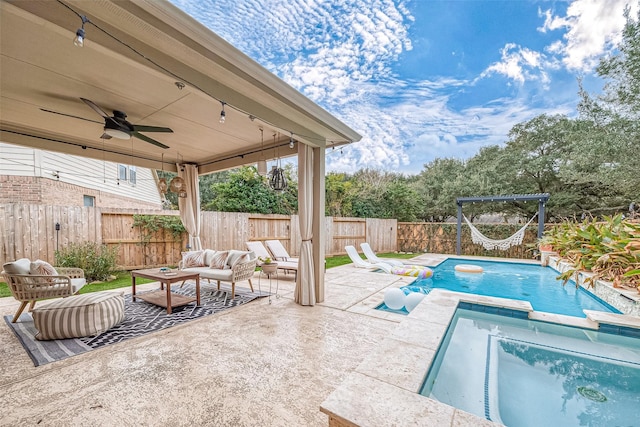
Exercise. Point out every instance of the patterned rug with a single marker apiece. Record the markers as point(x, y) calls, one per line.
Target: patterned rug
point(141, 318)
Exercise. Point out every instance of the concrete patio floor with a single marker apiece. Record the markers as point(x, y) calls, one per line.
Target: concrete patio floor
point(261, 364)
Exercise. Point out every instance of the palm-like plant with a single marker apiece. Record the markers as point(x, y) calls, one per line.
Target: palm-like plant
point(610, 249)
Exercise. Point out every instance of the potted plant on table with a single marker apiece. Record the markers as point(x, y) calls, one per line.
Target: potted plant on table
point(267, 265)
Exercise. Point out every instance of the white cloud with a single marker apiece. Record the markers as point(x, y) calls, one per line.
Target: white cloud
point(341, 53)
point(592, 28)
point(521, 65)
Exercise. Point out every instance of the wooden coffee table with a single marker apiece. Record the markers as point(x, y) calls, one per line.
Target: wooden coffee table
point(165, 298)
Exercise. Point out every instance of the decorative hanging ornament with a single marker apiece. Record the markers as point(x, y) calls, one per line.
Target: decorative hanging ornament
point(277, 180)
point(162, 186)
point(177, 184)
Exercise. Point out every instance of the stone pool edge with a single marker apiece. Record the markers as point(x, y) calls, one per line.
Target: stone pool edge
point(383, 389)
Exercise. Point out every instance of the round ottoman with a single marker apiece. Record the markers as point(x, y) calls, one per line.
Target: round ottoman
point(79, 315)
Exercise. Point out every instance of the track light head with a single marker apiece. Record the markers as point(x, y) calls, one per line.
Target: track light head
point(223, 115)
point(79, 38)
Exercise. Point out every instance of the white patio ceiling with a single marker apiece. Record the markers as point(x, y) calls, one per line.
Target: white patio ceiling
point(40, 68)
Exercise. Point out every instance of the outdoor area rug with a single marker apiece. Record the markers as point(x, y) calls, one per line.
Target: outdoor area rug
point(141, 318)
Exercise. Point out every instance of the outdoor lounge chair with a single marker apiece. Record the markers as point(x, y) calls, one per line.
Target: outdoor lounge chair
point(29, 288)
point(261, 252)
point(278, 251)
point(360, 263)
point(373, 258)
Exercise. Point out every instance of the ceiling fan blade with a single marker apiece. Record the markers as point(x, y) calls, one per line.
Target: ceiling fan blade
point(70, 115)
point(141, 128)
point(149, 140)
point(105, 136)
point(95, 108)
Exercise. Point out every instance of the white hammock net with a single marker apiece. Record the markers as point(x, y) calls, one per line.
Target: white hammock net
point(480, 239)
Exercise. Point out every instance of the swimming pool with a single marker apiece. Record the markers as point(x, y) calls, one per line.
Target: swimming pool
point(520, 281)
point(527, 373)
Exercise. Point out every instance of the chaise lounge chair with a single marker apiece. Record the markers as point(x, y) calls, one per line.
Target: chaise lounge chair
point(372, 257)
point(261, 252)
point(278, 251)
point(360, 263)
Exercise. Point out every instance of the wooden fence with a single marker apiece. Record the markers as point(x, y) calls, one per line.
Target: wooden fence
point(29, 231)
point(441, 238)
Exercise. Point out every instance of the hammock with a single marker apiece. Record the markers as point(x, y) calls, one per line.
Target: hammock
point(480, 239)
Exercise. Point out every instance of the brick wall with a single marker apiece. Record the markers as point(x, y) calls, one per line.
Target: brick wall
point(36, 190)
point(14, 189)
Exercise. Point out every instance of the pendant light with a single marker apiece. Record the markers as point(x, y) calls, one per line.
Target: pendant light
point(262, 163)
point(277, 180)
point(162, 182)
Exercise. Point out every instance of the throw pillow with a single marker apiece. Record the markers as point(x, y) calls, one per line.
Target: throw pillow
point(218, 260)
point(20, 266)
point(42, 268)
point(192, 259)
point(240, 260)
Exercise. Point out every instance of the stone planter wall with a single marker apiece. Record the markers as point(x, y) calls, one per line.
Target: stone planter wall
point(625, 300)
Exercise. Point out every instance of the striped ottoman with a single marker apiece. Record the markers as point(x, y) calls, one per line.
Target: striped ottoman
point(79, 315)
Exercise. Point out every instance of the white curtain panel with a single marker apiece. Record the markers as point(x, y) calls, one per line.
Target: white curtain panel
point(305, 292)
point(190, 206)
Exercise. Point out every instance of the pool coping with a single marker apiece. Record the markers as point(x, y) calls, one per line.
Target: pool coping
point(384, 388)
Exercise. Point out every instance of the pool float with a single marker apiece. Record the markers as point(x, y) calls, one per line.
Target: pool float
point(468, 268)
point(416, 271)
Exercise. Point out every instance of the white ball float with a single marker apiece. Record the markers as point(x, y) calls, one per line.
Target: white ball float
point(394, 298)
point(412, 300)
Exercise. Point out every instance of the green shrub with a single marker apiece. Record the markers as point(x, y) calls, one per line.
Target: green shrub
point(97, 261)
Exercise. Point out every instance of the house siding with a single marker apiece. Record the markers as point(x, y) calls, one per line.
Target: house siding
point(30, 175)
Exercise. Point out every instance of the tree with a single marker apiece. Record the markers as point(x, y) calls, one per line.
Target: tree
point(622, 71)
point(246, 191)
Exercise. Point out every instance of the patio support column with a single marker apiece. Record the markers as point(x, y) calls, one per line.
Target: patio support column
point(319, 235)
point(305, 292)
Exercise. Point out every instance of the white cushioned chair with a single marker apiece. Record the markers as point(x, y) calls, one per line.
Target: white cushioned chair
point(28, 288)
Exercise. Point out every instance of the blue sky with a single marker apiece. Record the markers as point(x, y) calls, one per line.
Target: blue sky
point(422, 79)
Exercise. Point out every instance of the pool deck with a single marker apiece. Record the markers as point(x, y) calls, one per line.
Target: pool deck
point(261, 364)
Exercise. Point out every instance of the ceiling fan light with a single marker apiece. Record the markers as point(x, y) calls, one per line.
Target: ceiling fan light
point(117, 133)
point(182, 194)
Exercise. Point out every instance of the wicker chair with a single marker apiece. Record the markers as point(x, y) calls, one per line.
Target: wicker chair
point(29, 288)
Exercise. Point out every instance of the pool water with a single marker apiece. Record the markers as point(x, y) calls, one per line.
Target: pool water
point(519, 281)
point(526, 373)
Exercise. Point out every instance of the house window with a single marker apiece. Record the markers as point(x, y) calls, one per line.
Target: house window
point(89, 201)
point(122, 172)
point(132, 175)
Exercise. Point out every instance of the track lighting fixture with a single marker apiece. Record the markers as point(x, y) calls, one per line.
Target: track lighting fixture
point(78, 40)
point(223, 115)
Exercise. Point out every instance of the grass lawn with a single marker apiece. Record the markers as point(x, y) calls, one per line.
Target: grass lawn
point(123, 278)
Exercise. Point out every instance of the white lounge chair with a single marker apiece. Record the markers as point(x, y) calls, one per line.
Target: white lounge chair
point(261, 252)
point(279, 251)
point(360, 263)
point(372, 257)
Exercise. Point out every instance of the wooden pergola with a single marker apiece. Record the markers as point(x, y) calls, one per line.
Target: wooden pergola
point(540, 197)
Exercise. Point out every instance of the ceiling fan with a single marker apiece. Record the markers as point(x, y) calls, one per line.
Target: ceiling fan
point(117, 126)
